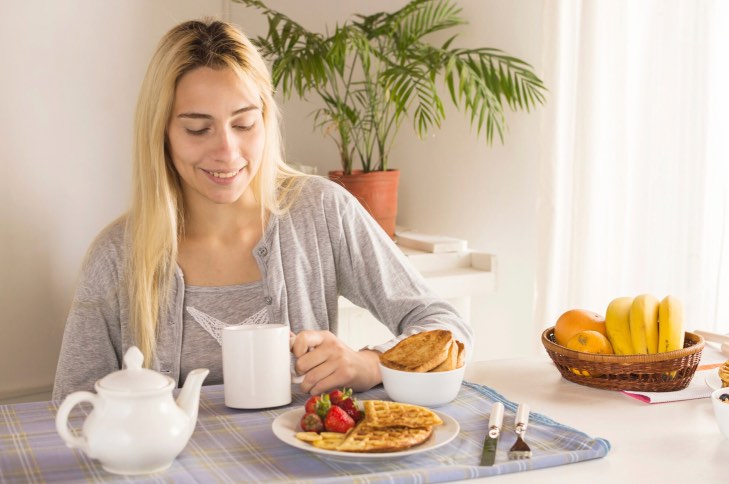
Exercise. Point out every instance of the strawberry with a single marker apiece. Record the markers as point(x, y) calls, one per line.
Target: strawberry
point(311, 422)
point(350, 406)
point(337, 420)
point(310, 405)
point(323, 404)
point(338, 396)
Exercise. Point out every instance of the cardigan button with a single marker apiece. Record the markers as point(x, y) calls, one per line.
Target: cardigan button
point(263, 252)
point(268, 300)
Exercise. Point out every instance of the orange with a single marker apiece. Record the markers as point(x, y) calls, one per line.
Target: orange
point(576, 320)
point(590, 342)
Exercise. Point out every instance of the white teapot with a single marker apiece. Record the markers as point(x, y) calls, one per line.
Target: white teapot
point(135, 427)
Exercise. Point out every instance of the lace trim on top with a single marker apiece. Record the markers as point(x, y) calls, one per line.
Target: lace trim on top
point(214, 326)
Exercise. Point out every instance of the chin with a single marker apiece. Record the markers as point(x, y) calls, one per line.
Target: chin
point(225, 200)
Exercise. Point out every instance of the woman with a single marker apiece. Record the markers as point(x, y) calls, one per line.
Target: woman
point(221, 231)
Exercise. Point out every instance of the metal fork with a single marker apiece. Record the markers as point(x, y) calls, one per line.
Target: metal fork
point(520, 449)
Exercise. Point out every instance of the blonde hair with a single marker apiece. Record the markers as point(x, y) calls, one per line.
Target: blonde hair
point(155, 221)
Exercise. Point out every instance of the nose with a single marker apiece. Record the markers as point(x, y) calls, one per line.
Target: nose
point(226, 146)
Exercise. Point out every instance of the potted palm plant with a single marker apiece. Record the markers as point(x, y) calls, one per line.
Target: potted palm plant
point(374, 71)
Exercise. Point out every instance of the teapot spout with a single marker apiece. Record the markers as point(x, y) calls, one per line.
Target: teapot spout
point(189, 398)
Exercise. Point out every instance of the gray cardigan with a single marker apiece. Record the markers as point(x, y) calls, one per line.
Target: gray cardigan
point(326, 245)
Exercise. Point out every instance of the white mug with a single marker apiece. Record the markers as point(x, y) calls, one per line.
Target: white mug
point(256, 366)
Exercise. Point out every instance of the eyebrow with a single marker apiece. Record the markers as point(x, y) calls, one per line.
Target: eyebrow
point(207, 116)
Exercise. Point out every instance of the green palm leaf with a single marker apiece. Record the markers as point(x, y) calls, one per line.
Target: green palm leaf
point(376, 70)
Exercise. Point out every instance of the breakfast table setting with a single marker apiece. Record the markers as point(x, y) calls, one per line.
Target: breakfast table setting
point(231, 445)
point(569, 432)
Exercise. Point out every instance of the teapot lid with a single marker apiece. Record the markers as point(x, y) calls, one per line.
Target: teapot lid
point(134, 378)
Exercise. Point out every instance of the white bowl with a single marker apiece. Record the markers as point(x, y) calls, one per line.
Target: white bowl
point(721, 410)
point(431, 389)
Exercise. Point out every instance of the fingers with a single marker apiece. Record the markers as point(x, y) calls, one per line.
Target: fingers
point(308, 339)
point(328, 384)
point(322, 378)
point(307, 348)
point(327, 363)
point(312, 349)
point(312, 359)
point(337, 372)
point(320, 354)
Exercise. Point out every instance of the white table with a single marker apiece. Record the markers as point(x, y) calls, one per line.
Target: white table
point(676, 442)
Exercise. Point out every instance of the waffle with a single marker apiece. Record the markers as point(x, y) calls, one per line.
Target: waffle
point(419, 352)
point(724, 374)
point(387, 427)
point(381, 413)
point(364, 438)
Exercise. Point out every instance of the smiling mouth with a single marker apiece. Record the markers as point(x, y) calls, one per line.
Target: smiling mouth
point(224, 174)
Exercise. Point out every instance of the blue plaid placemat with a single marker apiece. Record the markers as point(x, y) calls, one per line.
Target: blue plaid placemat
point(238, 446)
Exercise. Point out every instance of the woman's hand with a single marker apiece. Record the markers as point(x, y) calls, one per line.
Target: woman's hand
point(328, 363)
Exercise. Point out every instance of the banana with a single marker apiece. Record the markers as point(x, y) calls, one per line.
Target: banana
point(644, 324)
point(617, 325)
point(670, 324)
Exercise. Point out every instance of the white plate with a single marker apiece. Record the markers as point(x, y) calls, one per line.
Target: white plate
point(713, 380)
point(287, 424)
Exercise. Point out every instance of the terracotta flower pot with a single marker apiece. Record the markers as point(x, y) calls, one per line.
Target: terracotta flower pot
point(376, 191)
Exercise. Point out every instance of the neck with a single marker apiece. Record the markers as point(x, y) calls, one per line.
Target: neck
point(205, 219)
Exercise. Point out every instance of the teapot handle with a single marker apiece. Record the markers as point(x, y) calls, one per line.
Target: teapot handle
point(64, 410)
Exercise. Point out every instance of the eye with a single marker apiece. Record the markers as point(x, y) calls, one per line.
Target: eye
point(197, 132)
point(241, 127)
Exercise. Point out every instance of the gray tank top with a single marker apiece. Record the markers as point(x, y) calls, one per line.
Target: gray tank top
point(207, 311)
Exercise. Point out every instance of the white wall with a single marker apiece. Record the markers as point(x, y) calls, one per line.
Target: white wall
point(453, 183)
point(70, 77)
point(486, 195)
point(70, 80)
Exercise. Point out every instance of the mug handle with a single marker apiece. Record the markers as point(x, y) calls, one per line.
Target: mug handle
point(296, 379)
point(73, 441)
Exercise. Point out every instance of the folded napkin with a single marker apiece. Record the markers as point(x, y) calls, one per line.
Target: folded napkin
point(698, 388)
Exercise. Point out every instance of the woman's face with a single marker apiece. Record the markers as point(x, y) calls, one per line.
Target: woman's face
point(216, 135)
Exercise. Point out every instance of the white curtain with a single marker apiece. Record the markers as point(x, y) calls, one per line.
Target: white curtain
point(634, 172)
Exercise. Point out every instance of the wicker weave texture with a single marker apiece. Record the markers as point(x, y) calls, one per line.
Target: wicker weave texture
point(662, 372)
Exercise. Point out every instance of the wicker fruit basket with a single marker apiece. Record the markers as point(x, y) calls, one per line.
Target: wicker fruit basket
point(662, 372)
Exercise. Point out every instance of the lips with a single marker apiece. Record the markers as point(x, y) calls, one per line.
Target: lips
point(222, 175)
point(218, 174)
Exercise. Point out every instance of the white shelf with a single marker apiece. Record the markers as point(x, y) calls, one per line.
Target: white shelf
point(451, 274)
point(454, 276)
